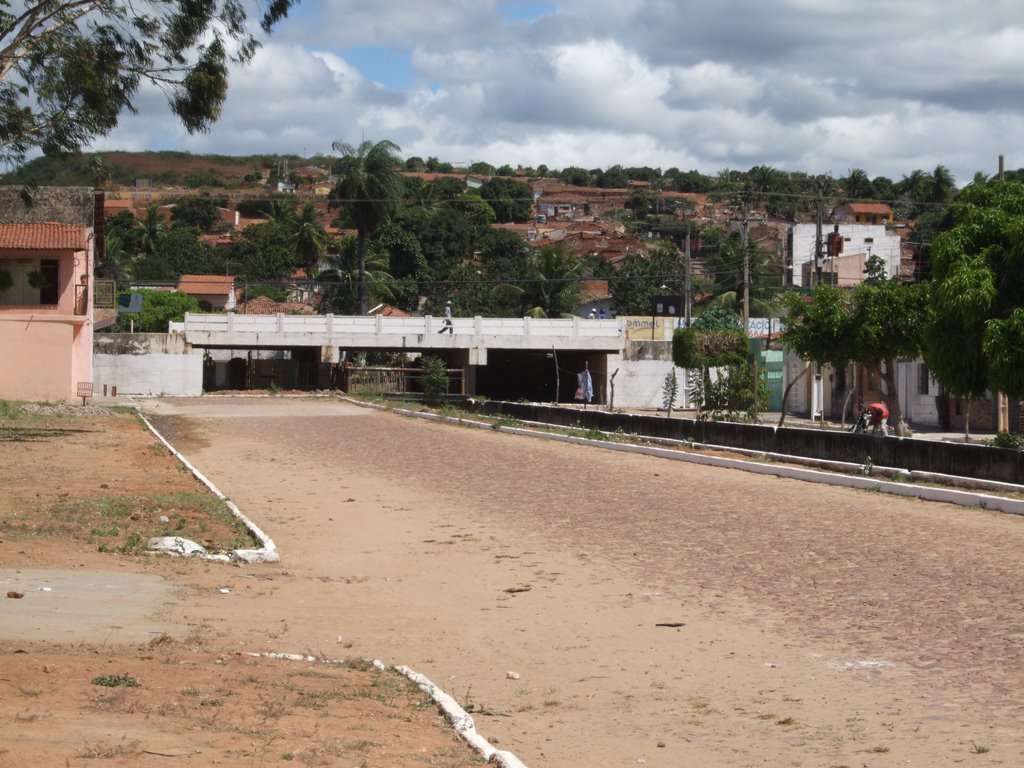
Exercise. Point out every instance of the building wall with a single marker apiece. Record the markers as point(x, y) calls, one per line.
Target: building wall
point(638, 383)
point(857, 239)
point(36, 361)
point(146, 364)
point(47, 350)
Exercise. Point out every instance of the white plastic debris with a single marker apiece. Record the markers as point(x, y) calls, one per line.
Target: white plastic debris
point(175, 545)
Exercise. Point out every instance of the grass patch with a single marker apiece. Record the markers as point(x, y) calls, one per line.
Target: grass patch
point(116, 681)
point(124, 523)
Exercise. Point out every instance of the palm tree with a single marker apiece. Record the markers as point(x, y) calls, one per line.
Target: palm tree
point(553, 286)
point(763, 180)
point(942, 185)
point(281, 212)
point(857, 185)
point(153, 227)
point(345, 275)
point(368, 190)
point(310, 238)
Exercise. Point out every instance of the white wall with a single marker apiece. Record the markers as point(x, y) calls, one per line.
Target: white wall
point(146, 364)
point(857, 239)
point(919, 409)
point(638, 383)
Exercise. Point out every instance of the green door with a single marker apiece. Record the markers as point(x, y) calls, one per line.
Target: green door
point(772, 364)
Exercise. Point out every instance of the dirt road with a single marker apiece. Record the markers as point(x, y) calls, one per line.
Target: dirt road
point(648, 610)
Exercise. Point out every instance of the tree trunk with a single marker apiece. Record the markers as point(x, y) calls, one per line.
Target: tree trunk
point(889, 377)
point(967, 422)
point(361, 245)
point(785, 395)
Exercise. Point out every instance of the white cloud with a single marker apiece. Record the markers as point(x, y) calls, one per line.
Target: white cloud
point(815, 86)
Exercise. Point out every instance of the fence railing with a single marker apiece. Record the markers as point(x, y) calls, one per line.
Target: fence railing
point(231, 323)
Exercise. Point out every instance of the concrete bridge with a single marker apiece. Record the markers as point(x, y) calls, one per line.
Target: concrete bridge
point(500, 358)
point(473, 337)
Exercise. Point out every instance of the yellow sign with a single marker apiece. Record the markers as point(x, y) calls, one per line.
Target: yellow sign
point(640, 328)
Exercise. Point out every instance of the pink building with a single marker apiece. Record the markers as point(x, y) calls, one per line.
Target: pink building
point(46, 316)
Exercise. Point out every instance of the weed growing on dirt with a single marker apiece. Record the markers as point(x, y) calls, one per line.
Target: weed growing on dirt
point(116, 681)
point(103, 751)
point(124, 523)
point(10, 411)
point(502, 420)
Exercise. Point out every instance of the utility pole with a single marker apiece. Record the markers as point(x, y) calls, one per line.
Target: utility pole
point(819, 215)
point(687, 288)
point(1002, 401)
point(746, 278)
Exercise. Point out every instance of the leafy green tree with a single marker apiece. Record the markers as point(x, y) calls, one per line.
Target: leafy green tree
point(68, 69)
point(481, 168)
point(126, 228)
point(265, 252)
point(700, 349)
point(476, 208)
point(978, 269)
point(405, 255)
point(447, 236)
point(612, 178)
point(179, 252)
point(201, 212)
point(640, 279)
point(578, 177)
point(158, 309)
point(511, 200)
point(873, 325)
point(436, 166)
point(446, 188)
point(503, 253)
point(368, 189)
point(717, 319)
point(434, 380)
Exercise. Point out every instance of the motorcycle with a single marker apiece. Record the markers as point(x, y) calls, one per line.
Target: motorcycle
point(863, 425)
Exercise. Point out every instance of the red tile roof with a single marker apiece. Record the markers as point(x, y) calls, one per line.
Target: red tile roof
point(881, 208)
point(205, 285)
point(264, 305)
point(43, 237)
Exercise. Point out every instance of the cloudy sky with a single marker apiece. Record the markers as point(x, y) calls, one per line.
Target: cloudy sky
point(820, 86)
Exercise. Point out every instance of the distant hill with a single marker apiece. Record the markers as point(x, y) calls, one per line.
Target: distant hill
point(179, 169)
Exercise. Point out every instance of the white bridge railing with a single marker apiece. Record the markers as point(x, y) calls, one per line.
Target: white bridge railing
point(492, 328)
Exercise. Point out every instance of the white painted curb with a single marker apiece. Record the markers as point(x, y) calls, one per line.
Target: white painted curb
point(267, 553)
point(461, 720)
point(963, 498)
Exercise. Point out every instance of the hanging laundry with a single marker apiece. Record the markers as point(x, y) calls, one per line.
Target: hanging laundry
point(585, 388)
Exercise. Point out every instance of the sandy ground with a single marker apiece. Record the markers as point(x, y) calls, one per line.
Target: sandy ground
point(651, 611)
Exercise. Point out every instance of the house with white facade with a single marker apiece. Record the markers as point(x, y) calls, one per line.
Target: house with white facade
point(859, 242)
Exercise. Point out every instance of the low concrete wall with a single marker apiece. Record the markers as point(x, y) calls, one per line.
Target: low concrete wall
point(638, 383)
point(146, 364)
point(964, 460)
